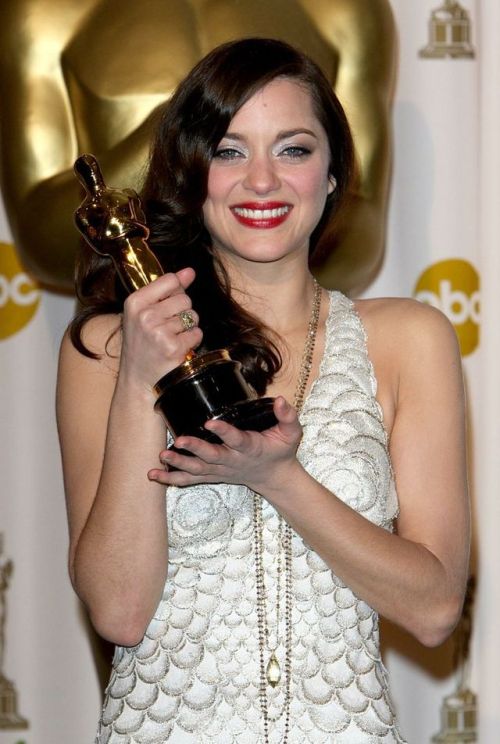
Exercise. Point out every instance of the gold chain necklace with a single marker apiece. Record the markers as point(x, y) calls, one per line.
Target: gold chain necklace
point(270, 673)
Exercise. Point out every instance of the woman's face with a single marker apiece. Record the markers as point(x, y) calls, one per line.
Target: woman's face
point(268, 180)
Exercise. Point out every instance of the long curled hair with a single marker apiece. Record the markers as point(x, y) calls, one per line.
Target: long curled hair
point(190, 128)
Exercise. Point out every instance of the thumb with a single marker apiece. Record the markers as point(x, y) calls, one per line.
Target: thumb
point(288, 422)
point(185, 276)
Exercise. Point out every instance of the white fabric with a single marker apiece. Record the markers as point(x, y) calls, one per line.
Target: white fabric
point(195, 676)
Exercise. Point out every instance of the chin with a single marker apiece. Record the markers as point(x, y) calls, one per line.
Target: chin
point(257, 251)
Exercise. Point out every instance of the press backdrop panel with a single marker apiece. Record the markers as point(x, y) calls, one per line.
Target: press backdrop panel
point(443, 246)
point(434, 254)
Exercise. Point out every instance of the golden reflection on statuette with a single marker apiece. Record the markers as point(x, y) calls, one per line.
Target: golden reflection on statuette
point(113, 223)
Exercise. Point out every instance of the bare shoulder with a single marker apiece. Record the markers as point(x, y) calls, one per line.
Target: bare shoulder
point(85, 385)
point(408, 322)
point(410, 343)
point(414, 351)
point(101, 335)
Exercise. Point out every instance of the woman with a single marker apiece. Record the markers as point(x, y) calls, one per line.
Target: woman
point(262, 624)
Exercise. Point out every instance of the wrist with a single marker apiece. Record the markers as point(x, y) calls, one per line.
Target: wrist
point(135, 391)
point(284, 482)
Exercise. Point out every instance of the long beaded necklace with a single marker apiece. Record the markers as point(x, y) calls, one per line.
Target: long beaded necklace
point(270, 672)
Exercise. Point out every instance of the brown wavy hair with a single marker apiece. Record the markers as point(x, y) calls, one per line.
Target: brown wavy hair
point(191, 125)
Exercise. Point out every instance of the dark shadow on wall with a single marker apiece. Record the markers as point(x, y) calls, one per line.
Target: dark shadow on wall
point(437, 662)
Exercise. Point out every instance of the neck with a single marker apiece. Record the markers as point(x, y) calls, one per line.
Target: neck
point(278, 295)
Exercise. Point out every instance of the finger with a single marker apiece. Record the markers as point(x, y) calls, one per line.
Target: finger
point(187, 463)
point(160, 289)
point(179, 281)
point(186, 320)
point(178, 322)
point(176, 311)
point(234, 438)
point(288, 420)
point(175, 478)
point(283, 410)
point(191, 339)
point(186, 276)
point(177, 344)
point(209, 452)
point(174, 304)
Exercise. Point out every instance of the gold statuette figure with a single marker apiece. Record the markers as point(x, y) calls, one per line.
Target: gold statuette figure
point(114, 224)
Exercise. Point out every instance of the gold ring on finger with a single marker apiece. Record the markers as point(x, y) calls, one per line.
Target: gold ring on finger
point(187, 319)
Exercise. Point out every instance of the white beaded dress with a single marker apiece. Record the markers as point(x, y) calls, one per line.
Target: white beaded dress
point(194, 678)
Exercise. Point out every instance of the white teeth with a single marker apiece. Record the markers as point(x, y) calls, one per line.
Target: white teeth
point(261, 214)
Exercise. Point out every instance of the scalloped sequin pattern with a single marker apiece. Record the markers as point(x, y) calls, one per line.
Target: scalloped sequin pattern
point(194, 677)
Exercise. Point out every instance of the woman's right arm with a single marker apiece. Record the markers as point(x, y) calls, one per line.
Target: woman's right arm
point(110, 437)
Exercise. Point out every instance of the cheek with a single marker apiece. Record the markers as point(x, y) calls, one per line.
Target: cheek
point(214, 198)
point(314, 179)
point(314, 188)
point(216, 216)
point(218, 186)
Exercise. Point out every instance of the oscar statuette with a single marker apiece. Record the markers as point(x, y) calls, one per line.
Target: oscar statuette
point(205, 386)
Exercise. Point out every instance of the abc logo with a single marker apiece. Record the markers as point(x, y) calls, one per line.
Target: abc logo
point(453, 287)
point(19, 295)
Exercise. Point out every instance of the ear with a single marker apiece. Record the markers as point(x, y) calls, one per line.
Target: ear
point(332, 183)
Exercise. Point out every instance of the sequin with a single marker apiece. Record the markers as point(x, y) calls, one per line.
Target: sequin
point(195, 675)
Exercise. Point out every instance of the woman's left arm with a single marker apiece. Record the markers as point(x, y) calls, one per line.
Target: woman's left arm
point(416, 576)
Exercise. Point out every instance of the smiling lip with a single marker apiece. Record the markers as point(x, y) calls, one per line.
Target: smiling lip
point(261, 215)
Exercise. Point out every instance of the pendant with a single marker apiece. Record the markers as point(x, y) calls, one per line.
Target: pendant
point(273, 671)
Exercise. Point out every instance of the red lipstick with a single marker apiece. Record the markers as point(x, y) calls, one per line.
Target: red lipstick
point(261, 215)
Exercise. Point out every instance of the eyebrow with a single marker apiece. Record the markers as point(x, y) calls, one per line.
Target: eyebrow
point(281, 135)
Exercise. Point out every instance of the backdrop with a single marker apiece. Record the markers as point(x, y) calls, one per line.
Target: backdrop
point(443, 247)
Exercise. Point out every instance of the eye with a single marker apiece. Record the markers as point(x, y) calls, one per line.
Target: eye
point(227, 153)
point(295, 152)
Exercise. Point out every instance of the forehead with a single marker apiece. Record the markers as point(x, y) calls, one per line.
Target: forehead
point(280, 101)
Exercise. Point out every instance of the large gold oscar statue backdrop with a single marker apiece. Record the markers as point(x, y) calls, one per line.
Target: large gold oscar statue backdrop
point(88, 76)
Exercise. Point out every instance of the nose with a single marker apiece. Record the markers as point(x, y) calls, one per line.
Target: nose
point(261, 175)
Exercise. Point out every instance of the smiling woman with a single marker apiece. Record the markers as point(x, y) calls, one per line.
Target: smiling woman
point(242, 581)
